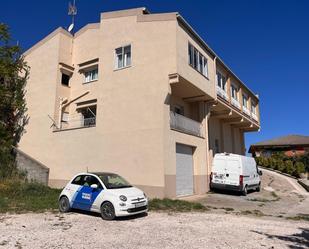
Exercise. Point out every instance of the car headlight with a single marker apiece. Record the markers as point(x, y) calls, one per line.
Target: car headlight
point(123, 198)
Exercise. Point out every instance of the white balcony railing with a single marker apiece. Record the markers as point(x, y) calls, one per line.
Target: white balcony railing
point(186, 125)
point(235, 103)
point(222, 93)
point(254, 116)
point(246, 110)
point(78, 123)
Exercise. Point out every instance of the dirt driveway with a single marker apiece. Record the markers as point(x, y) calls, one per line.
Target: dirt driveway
point(280, 197)
point(232, 221)
point(157, 230)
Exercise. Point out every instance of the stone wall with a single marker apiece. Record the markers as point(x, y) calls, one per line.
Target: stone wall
point(35, 170)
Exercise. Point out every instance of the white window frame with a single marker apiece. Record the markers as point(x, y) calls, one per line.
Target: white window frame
point(125, 62)
point(221, 85)
point(197, 60)
point(245, 97)
point(92, 76)
point(234, 88)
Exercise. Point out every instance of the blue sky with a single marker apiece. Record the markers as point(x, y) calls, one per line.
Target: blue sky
point(266, 43)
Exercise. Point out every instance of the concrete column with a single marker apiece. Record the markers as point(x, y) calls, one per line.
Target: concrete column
point(240, 98)
point(228, 90)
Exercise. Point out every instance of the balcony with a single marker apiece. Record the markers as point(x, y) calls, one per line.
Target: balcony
point(222, 93)
point(254, 116)
point(78, 123)
point(235, 103)
point(183, 124)
point(246, 110)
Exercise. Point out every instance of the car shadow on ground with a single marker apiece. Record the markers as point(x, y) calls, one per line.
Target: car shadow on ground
point(124, 218)
point(297, 240)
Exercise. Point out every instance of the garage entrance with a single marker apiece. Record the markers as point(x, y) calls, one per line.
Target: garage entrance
point(184, 170)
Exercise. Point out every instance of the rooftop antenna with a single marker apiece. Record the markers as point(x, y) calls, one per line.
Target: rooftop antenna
point(72, 12)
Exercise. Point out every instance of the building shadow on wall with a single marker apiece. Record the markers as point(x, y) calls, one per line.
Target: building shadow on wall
point(295, 241)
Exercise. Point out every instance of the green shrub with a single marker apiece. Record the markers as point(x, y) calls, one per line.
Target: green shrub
point(299, 168)
point(281, 165)
point(289, 167)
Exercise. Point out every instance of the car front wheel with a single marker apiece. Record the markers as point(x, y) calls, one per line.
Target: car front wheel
point(107, 211)
point(64, 204)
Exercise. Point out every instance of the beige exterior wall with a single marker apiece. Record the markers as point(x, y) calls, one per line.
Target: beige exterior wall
point(132, 135)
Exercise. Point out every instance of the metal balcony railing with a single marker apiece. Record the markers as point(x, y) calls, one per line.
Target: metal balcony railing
point(222, 93)
point(235, 103)
point(254, 116)
point(246, 110)
point(78, 123)
point(187, 125)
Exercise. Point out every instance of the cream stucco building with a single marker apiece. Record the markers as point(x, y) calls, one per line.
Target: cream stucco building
point(137, 94)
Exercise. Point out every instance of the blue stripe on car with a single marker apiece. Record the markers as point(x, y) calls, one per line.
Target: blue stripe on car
point(85, 197)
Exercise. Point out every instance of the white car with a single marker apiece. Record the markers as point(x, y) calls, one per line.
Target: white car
point(235, 172)
point(105, 193)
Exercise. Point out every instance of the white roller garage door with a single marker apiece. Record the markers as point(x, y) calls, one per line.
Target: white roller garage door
point(184, 170)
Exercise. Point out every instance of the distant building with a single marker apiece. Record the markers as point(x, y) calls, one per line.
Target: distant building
point(292, 145)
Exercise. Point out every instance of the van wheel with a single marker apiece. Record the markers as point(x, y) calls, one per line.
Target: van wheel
point(64, 204)
point(258, 189)
point(107, 211)
point(245, 191)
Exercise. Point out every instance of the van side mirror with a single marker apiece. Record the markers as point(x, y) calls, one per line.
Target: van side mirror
point(94, 186)
point(260, 172)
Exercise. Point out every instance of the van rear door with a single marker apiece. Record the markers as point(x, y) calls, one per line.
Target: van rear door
point(232, 172)
point(218, 170)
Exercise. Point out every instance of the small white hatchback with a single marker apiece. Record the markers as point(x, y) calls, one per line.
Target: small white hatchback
point(105, 193)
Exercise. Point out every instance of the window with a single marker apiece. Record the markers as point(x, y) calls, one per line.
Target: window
point(253, 108)
point(88, 115)
point(123, 57)
point(179, 110)
point(113, 181)
point(78, 180)
point(65, 79)
point(197, 60)
point(245, 100)
point(89, 180)
point(234, 92)
point(221, 81)
point(91, 75)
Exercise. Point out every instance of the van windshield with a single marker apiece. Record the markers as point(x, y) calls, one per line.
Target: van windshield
point(113, 181)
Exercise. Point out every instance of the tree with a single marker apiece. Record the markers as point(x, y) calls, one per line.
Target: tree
point(14, 73)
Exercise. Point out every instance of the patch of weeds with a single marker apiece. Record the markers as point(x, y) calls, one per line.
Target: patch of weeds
point(175, 205)
point(253, 212)
point(228, 209)
point(17, 196)
point(304, 217)
point(211, 207)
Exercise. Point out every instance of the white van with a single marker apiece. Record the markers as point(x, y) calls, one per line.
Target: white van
point(235, 172)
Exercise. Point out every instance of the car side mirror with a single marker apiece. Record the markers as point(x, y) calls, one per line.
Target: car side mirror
point(94, 186)
point(260, 172)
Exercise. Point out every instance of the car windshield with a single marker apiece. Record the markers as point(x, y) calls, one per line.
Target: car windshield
point(113, 181)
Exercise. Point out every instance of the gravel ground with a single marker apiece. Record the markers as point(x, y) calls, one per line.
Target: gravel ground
point(157, 230)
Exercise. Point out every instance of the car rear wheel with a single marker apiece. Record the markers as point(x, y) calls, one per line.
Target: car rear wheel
point(245, 191)
point(64, 204)
point(107, 211)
